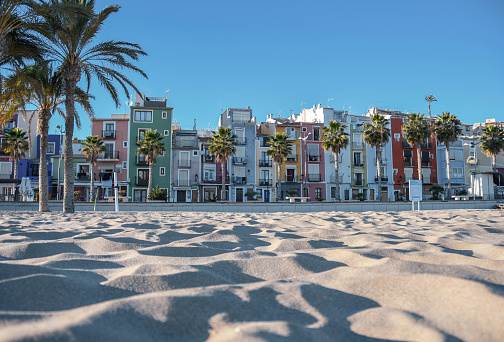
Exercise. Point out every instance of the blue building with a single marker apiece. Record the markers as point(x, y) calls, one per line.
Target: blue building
point(457, 166)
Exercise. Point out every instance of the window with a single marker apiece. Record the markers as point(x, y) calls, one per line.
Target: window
point(144, 116)
point(125, 144)
point(161, 171)
point(358, 178)
point(164, 115)
point(209, 173)
point(124, 165)
point(304, 129)
point(263, 141)
point(397, 136)
point(333, 192)
point(358, 161)
point(142, 177)
point(318, 193)
point(240, 136)
point(139, 195)
point(457, 172)
point(195, 153)
point(166, 132)
point(51, 148)
point(184, 160)
point(183, 178)
point(316, 133)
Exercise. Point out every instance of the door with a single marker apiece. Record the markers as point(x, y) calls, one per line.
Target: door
point(239, 194)
point(266, 195)
point(181, 196)
point(265, 178)
point(290, 175)
point(371, 195)
point(195, 196)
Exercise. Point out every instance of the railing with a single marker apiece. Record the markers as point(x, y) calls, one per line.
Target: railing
point(239, 160)
point(383, 179)
point(82, 176)
point(314, 178)
point(314, 157)
point(184, 163)
point(109, 134)
point(292, 158)
point(383, 161)
point(155, 102)
point(359, 181)
point(179, 143)
point(109, 155)
point(409, 164)
point(332, 178)
point(141, 160)
point(358, 144)
point(141, 181)
point(241, 140)
point(265, 163)
point(240, 180)
point(265, 182)
point(211, 181)
point(289, 178)
point(358, 164)
point(219, 180)
point(406, 145)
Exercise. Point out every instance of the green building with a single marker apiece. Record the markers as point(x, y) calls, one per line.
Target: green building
point(148, 113)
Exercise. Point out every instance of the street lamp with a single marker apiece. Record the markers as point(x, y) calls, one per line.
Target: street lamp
point(306, 162)
point(58, 127)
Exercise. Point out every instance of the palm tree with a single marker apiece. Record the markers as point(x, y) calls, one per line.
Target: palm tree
point(41, 87)
point(377, 134)
point(70, 29)
point(151, 146)
point(447, 129)
point(16, 144)
point(492, 142)
point(334, 139)
point(416, 132)
point(222, 146)
point(93, 147)
point(280, 149)
point(429, 99)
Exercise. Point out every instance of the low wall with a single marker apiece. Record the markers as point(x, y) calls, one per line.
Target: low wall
point(257, 207)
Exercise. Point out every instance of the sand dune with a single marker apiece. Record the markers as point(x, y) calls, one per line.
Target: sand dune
point(336, 276)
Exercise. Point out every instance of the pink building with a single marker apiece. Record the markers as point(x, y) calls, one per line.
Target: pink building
point(114, 132)
point(312, 161)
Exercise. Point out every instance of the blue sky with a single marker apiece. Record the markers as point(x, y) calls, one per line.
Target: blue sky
point(275, 55)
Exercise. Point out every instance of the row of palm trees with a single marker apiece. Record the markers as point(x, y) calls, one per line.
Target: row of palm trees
point(48, 46)
point(417, 131)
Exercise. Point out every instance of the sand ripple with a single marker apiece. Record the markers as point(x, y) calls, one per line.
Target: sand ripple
point(400, 276)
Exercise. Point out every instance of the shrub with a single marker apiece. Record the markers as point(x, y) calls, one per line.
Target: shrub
point(436, 189)
point(159, 194)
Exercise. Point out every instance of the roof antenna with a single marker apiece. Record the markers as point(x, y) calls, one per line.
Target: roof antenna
point(194, 128)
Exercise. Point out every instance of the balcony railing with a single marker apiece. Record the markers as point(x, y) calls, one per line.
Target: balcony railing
point(241, 140)
point(358, 181)
point(265, 163)
point(240, 180)
point(180, 143)
point(109, 155)
point(105, 176)
point(409, 164)
point(141, 181)
point(265, 182)
point(383, 179)
point(358, 144)
point(313, 157)
point(314, 178)
point(82, 176)
point(211, 181)
point(290, 178)
point(358, 164)
point(383, 161)
point(239, 160)
point(140, 160)
point(184, 163)
point(292, 158)
point(333, 178)
point(219, 180)
point(109, 134)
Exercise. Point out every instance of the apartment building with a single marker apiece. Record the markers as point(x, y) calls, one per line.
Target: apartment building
point(186, 166)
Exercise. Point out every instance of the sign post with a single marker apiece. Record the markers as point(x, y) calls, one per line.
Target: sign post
point(415, 193)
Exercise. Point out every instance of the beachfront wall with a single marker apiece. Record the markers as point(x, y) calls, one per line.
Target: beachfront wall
point(149, 114)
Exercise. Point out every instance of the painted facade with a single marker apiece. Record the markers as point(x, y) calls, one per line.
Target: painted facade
point(185, 166)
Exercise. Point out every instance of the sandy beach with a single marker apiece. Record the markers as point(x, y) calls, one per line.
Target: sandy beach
point(335, 276)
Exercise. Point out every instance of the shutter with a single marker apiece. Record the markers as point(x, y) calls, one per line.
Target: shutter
point(240, 152)
point(239, 171)
point(313, 149)
point(313, 169)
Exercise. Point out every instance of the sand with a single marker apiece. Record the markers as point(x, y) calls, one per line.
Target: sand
point(335, 276)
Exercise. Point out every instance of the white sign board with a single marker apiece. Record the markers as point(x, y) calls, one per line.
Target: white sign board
point(415, 190)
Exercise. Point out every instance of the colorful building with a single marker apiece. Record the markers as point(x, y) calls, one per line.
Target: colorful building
point(185, 166)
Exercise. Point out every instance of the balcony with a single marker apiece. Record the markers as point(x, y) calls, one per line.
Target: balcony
point(358, 164)
point(358, 145)
point(358, 181)
point(314, 157)
point(406, 145)
point(219, 180)
point(109, 134)
point(185, 143)
point(333, 178)
point(82, 176)
point(265, 163)
point(409, 164)
point(241, 140)
point(239, 160)
point(106, 176)
point(292, 158)
point(291, 178)
point(109, 155)
point(141, 181)
point(240, 180)
point(314, 177)
point(211, 181)
point(140, 160)
point(184, 163)
point(383, 161)
point(383, 179)
point(265, 182)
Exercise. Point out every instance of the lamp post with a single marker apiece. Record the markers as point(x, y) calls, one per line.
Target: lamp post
point(58, 127)
point(305, 164)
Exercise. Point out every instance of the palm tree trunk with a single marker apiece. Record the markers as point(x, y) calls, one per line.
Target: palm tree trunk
point(43, 121)
point(72, 76)
point(223, 173)
point(336, 172)
point(279, 181)
point(149, 184)
point(429, 110)
point(493, 162)
point(419, 161)
point(378, 167)
point(29, 134)
point(91, 171)
point(15, 159)
point(448, 169)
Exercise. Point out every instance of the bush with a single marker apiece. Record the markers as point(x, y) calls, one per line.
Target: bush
point(159, 194)
point(436, 189)
point(360, 196)
point(77, 196)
